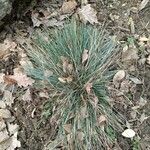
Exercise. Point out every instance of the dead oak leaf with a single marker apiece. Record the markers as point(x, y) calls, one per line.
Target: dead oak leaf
point(21, 79)
point(68, 7)
point(88, 14)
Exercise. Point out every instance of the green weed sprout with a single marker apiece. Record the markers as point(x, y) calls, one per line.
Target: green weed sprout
point(73, 63)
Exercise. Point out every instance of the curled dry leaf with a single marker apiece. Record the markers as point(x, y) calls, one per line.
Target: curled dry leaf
point(119, 76)
point(68, 7)
point(85, 56)
point(102, 119)
point(14, 142)
point(44, 94)
point(67, 128)
point(88, 87)
point(62, 80)
point(128, 133)
point(8, 98)
point(143, 39)
point(2, 104)
point(21, 79)
point(3, 135)
point(88, 14)
point(4, 113)
point(12, 128)
point(2, 124)
point(136, 80)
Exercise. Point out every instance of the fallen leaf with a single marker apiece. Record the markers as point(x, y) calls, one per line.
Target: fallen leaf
point(143, 118)
point(36, 22)
point(80, 135)
point(102, 120)
point(65, 63)
point(2, 124)
point(68, 7)
point(69, 79)
point(128, 133)
point(62, 80)
point(27, 96)
point(88, 87)
point(43, 94)
point(129, 54)
point(4, 113)
point(2, 104)
point(67, 128)
point(136, 80)
point(133, 114)
point(143, 4)
point(142, 102)
point(85, 56)
point(12, 128)
point(119, 76)
point(88, 14)
point(3, 135)
point(143, 39)
point(8, 98)
point(21, 79)
point(14, 142)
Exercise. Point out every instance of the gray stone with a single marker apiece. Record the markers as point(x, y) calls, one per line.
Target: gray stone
point(5, 8)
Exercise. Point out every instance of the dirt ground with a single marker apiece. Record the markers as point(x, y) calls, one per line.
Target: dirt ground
point(129, 25)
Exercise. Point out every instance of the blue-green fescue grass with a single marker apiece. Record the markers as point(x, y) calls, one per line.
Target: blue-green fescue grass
point(78, 93)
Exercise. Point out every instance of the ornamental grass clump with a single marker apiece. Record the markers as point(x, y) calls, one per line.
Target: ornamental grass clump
point(73, 64)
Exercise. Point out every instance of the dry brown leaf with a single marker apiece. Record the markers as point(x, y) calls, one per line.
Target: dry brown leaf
point(12, 128)
point(65, 63)
point(6, 47)
point(2, 124)
point(143, 39)
point(62, 80)
point(102, 120)
point(85, 56)
point(129, 54)
point(67, 128)
point(119, 76)
point(68, 7)
point(143, 4)
point(43, 94)
point(2, 104)
point(143, 117)
point(27, 96)
point(3, 135)
point(80, 135)
point(128, 133)
point(36, 22)
point(69, 79)
point(136, 80)
point(88, 87)
point(88, 14)
point(4, 113)
point(14, 143)
point(21, 79)
point(8, 98)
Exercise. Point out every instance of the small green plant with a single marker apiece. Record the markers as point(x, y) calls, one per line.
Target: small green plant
point(73, 65)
